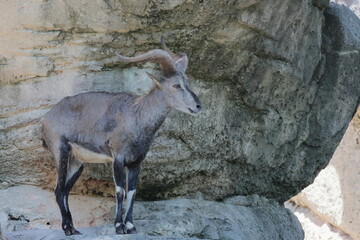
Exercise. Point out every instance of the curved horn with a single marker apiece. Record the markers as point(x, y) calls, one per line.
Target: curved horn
point(181, 59)
point(166, 62)
point(163, 46)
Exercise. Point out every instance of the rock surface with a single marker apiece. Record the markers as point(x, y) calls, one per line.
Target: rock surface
point(275, 106)
point(37, 208)
point(334, 195)
point(278, 80)
point(315, 228)
point(171, 219)
point(88, 234)
point(354, 5)
point(1, 235)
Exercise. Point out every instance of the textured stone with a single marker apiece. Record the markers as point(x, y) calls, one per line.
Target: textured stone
point(354, 5)
point(316, 228)
point(89, 234)
point(22, 68)
point(333, 196)
point(321, 4)
point(37, 208)
point(274, 99)
point(1, 235)
point(170, 219)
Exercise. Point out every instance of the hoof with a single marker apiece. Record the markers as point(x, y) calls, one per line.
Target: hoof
point(71, 231)
point(76, 232)
point(130, 228)
point(131, 231)
point(120, 228)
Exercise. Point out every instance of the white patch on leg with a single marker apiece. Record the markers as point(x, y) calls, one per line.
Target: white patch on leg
point(129, 225)
point(130, 196)
point(117, 225)
point(119, 189)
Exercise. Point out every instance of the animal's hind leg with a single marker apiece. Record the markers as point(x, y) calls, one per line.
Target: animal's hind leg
point(132, 179)
point(68, 170)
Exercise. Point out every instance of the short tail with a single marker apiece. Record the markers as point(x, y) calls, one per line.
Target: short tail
point(44, 143)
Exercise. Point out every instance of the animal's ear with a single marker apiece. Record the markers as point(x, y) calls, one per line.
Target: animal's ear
point(182, 62)
point(154, 79)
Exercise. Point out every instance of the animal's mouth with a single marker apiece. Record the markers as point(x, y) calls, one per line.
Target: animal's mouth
point(196, 112)
point(191, 111)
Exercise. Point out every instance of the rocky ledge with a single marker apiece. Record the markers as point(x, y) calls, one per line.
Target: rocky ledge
point(35, 216)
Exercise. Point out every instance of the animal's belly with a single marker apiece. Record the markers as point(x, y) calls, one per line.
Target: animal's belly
point(88, 156)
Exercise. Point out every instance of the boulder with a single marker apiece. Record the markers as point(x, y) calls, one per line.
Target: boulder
point(278, 81)
point(237, 218)
point(272, 78)
point(274, 112)
point(354, 5)
point(334, 194)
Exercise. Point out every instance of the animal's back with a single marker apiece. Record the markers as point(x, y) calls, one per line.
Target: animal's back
point(75, 116)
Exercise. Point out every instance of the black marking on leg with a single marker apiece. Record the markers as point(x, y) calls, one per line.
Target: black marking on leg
point(60, 192)
point(119, 178)
point(73, 179)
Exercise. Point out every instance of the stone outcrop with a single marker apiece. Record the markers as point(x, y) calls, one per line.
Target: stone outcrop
point(274, 111)
point(276, 78)
point(184, 219)
point(333, 196)
point(354, 5)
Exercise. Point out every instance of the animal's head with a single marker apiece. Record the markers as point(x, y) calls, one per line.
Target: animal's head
point(173, 81)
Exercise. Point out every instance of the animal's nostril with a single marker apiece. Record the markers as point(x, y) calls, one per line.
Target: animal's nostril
point(198, 106)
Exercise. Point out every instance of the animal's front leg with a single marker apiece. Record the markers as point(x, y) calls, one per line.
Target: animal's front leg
point(132, 179)
point(119, 177)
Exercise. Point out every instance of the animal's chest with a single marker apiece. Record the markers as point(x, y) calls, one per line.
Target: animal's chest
point(133, 145)
point(136, 149)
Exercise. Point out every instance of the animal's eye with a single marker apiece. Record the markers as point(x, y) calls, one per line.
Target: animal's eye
point(176, 86)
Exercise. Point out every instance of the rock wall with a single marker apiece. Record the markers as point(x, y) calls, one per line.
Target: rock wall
point(273, 96)
point(278, 81)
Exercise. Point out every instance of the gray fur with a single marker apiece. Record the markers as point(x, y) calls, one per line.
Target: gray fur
point(118, 127)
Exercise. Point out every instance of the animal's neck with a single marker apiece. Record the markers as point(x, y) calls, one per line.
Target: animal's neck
point(151, 110)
